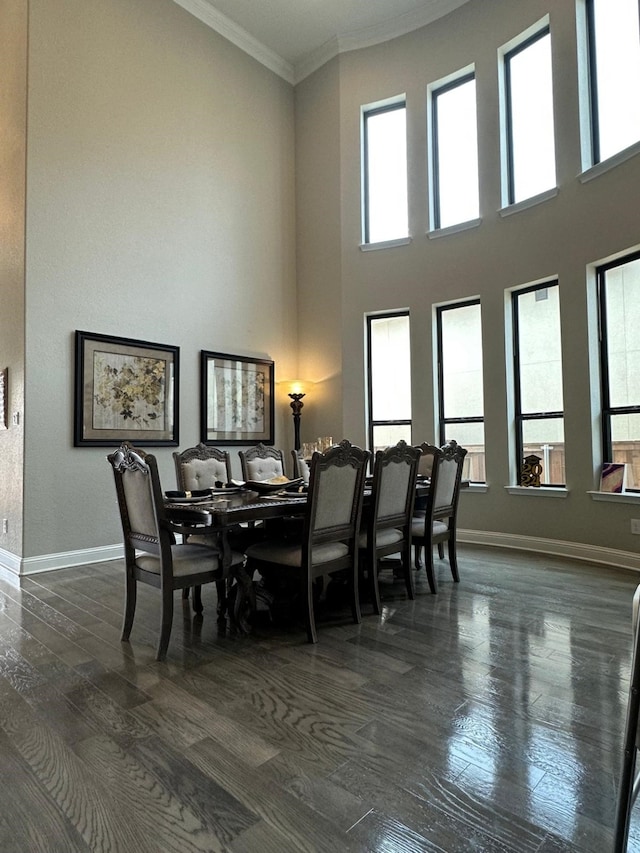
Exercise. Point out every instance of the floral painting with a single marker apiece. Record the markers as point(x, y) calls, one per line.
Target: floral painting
point(128, 388)
point(125, 389)
point(237, 399)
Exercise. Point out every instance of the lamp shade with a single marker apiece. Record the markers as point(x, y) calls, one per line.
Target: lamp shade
point(297, 386)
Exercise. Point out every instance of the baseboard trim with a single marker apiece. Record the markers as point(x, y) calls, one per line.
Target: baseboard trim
point(553, 547)
point(51, 562)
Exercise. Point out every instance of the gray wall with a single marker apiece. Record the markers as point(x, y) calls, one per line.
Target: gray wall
point(13, 114)
point(586, 222)
point(160, 206)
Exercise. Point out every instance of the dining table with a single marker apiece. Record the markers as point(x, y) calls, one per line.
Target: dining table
point(225, 510)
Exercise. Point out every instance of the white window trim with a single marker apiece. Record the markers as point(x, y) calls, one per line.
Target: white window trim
point(454, 229)
point(526, 203)
point(621, 498)
point(385, 244)
point(610, 163)
point(539, 491)
point(431, 88)
point(502, 107)
point(364, 109)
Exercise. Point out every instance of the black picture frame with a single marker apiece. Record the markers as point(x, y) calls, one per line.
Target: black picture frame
point(125, 390)
point(236, 399)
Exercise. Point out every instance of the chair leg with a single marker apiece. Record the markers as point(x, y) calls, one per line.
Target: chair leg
point(129, 605)
point(355, 596)
point(221, 589)
point(167, 621)
point(372, 568)
point(307, 595)
point(408, 574)
point(431, 575)
point(185, 592)
point(441, 550)
point(453, 557)
point(418, 561)
point(197, 599)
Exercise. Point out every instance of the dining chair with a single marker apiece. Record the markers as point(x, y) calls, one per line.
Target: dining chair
point(387, 522)
point(329, 542)
point(261, 463)
point(630, 776)
point(201, 467)
point(198, 468)
point(300, 466)
point(438, 524)
point(150, 553)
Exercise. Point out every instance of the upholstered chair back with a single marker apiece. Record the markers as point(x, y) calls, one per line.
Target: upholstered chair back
point(300, 466)
point(261, 463)
point(138, 492)
point(201, 467)
point(449, 476)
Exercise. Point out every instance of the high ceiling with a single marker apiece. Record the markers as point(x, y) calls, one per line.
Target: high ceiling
point(294, 37)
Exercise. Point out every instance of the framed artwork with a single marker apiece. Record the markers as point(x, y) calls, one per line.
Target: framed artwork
point(4, 398)
point(236, 399)
point(125, 390)
point(613, 477)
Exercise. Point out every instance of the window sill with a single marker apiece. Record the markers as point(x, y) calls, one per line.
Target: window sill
point(385, 244)
point(541, 491)
point(475, 489)
point(453, 229)
point(610, 163)
point(616, 497)
point(526, 203)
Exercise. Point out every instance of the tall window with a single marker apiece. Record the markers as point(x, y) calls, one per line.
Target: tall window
point(460, 389)
point(385, 173)
point(614, 70)
point(619, 296)
point(531, 166)
point(539, 415)
point(455, 152)
point(389, 367)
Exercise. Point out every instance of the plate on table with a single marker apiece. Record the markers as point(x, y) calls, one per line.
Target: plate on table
point(267, 487)
point(197, 499)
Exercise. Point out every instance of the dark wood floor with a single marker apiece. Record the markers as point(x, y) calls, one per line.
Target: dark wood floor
point(486, 718)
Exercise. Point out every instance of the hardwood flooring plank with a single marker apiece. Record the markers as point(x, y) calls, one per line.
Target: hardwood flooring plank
point(175, 806)
point(488, 717)
point(23, 798)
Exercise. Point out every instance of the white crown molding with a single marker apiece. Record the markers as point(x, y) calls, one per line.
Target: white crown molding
point(343, 42)
point(399, 26)
point(210, 16)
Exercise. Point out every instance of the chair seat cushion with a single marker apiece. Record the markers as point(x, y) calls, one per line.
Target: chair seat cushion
point(187, 560)
point(417, 528)
point(383, 538)
point(290, 553)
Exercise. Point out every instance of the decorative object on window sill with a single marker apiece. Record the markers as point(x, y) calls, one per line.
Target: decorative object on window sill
point(531, 471)
point(613, 477)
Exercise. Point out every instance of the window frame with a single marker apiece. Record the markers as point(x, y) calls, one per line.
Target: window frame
point(592, 90)
point(371, 422)
point(606, 409)
point(443, 421)
point(518, 416)
point(435, 91)
point(366, 113)
point(507, 56)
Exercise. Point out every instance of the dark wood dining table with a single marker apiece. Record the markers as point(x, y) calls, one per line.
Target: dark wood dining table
point(229, 508)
